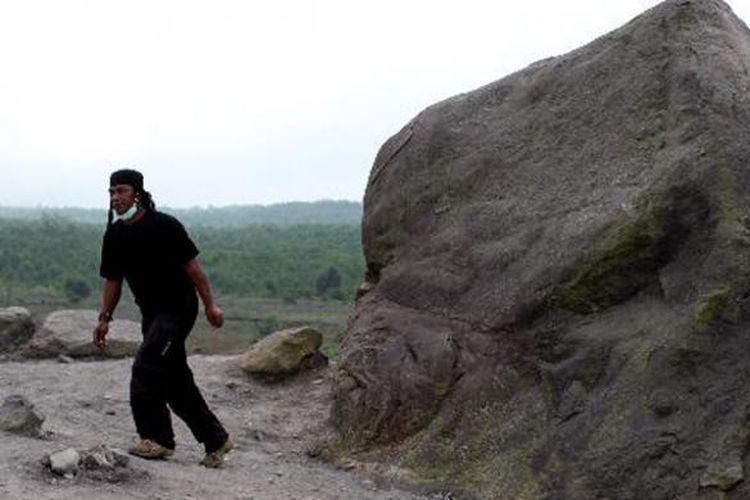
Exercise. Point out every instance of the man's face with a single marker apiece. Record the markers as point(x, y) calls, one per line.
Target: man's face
point(121, 197)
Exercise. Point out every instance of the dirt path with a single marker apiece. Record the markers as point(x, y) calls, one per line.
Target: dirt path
point(86, 404)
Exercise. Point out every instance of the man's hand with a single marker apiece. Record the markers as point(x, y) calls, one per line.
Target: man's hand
point(215, 316)
point(100, 334)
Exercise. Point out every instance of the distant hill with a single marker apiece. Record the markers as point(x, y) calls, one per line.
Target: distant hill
point(292, 213)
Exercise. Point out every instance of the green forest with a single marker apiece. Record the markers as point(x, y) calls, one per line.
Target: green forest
point(288, 261)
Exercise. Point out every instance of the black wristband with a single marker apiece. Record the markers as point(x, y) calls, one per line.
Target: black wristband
point(105, 317)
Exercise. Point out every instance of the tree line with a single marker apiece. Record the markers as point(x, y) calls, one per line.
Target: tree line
point(290, 213)
point(261, 260)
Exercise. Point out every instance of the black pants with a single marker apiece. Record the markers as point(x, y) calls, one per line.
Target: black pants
point(161, 377)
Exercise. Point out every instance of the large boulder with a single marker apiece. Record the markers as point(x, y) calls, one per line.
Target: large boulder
point(558, 275)
point(69, 333)
point(16, 328)
point(284, 353)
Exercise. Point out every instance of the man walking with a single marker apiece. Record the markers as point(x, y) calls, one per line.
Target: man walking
point(154, 254)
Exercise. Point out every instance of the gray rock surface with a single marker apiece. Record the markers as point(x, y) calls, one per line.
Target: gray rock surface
point(284, 352)
point(16, 328)
point(559, 275)
point(17, 415)
point(68, 333)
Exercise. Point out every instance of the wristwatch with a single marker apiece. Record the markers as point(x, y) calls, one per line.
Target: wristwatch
point(105, 317)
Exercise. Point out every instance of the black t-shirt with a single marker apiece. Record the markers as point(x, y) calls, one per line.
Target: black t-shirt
point(151, 255)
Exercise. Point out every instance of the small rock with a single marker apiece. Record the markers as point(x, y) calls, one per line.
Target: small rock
point(103, 458)
point(17, 415)
point(97, 459)
point(65, 462)
point(62, 358)
point(110, 412)
point(284, 353)
point(16, 328)
point(121, 458)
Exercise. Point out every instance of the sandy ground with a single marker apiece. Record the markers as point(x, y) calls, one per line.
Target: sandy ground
point(86, 404)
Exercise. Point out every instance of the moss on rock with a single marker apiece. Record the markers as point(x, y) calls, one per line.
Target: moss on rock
point(712, 306)
point(621, 266)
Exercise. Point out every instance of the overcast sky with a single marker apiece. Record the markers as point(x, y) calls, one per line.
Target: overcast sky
point(240, 102)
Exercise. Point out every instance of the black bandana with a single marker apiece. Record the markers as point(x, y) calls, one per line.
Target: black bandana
point(129, 177)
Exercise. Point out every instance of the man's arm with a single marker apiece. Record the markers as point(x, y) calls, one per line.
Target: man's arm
point(214, 315)
point(110, 298)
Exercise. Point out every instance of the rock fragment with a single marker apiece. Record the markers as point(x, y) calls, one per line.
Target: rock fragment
point(17, 415)
point(16, 328)
point(65, 462)
point(101, 463)
point(104, 457)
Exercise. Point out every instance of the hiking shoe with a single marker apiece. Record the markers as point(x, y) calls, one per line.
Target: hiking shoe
point(151, 450)
point(215, 459)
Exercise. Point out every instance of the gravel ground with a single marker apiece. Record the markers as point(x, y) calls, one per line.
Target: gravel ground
point(86, 404)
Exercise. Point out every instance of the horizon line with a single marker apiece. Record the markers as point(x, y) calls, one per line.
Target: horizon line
point(192, 207)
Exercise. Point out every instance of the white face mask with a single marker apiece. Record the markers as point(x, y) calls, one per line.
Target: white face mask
point(129, 213)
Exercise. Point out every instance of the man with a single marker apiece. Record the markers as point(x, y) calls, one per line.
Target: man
point(154, 254)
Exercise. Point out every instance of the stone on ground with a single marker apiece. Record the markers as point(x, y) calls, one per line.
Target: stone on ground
point(16, 328)
point(100, 463)
point(65, 462)
point(68, 333)
point(284, 352)
point(17, 415)
point(104, 457)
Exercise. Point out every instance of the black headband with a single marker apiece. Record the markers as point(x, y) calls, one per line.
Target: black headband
point(129, 177)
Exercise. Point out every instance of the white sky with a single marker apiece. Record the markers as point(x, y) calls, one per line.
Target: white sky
point(236, 102)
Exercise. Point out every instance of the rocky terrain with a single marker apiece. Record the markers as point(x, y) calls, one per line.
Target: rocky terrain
point(277, 428)
point(558, 276)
